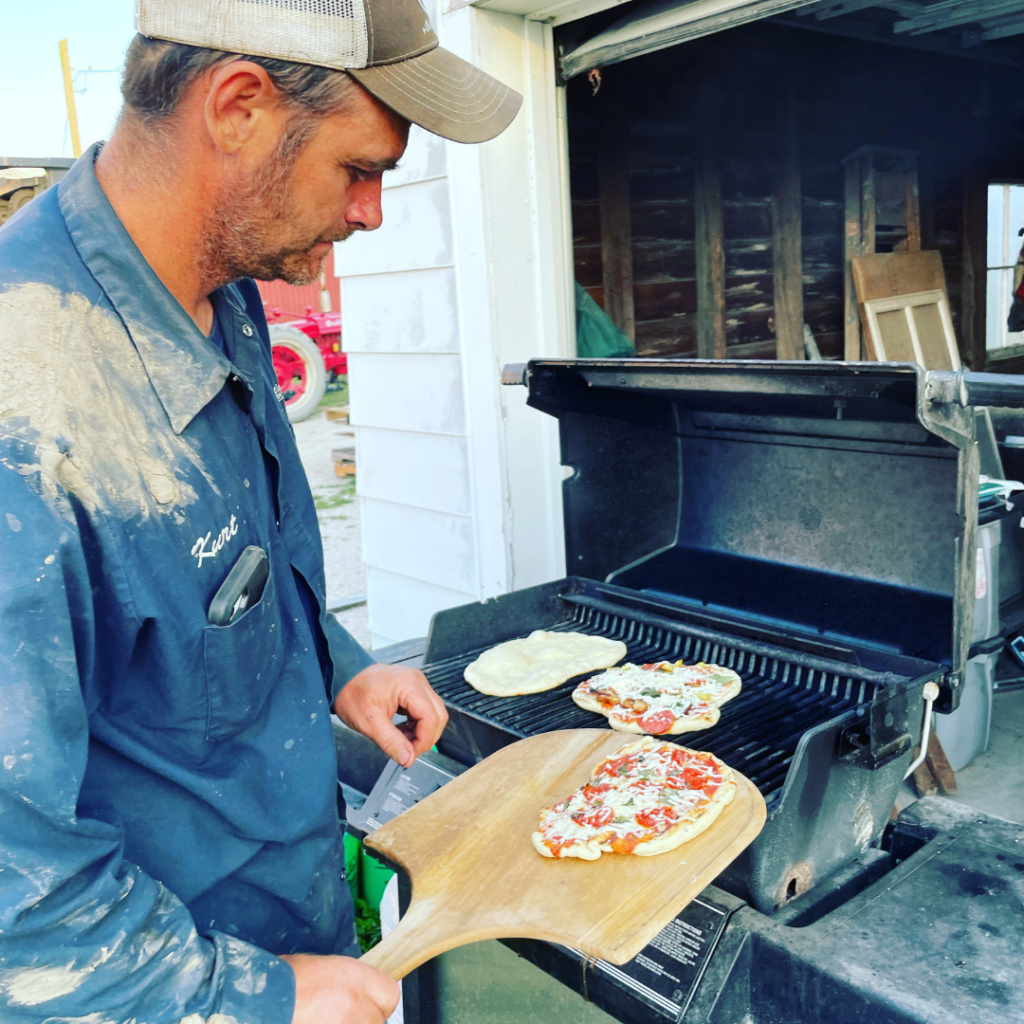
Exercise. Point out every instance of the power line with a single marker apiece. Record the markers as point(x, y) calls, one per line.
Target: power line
point(91, 71)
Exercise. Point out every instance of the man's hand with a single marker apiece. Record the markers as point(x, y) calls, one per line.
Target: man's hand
point(340, 990)
point(372, 698)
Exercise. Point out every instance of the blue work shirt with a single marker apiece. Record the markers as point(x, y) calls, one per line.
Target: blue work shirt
point(168, 817)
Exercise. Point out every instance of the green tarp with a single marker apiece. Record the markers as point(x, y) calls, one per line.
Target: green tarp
point(596, 336)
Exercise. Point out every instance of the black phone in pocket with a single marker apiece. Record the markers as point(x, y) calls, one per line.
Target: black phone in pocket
point(243, 587)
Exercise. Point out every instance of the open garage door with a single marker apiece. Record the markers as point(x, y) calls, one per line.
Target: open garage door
point(662, 23)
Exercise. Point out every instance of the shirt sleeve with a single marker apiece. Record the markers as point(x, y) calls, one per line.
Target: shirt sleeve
point(348, 655)
point(84, 934)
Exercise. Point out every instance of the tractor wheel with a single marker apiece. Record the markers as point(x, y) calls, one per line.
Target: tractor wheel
point(300, 370)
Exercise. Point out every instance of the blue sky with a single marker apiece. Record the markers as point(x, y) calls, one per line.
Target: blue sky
point(32, 111)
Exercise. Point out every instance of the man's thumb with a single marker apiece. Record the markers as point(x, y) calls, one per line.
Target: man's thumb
point(396, 746)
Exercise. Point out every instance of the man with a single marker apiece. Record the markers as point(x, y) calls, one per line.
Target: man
point(169, 839)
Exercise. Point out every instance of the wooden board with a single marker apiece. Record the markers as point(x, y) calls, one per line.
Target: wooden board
point(885, 275)
point(475, 874)
point(880, 277)
point(616, 233)
point(709, 229)
point(787, 258)
point(914, 328)
point(934, 774)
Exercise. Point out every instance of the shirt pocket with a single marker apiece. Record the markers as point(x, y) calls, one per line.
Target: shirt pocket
point(242, 663)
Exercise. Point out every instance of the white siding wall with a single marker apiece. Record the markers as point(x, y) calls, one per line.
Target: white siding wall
point(458, 480)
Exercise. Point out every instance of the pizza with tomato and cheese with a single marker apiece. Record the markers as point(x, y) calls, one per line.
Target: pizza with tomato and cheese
point(648, 798)
point(660, 698)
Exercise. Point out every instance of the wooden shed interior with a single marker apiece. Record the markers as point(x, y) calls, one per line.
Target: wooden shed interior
point(710, 197)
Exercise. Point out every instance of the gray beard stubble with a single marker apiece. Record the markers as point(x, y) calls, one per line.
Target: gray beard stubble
point(246, 225)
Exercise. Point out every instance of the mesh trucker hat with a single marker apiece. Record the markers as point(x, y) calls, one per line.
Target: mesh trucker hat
point(388, 46)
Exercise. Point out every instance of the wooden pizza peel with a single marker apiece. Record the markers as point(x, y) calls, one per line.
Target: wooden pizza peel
point(476, 875)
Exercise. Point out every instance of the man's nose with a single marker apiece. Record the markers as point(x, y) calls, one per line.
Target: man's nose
point(363, 212)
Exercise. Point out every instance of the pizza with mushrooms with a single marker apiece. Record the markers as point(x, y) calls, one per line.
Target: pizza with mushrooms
point(648, 798)
point(660, 698)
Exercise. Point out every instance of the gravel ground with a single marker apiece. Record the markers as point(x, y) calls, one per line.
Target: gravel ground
point(338, 512)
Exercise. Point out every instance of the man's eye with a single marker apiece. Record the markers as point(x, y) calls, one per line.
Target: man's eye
point(359, 174)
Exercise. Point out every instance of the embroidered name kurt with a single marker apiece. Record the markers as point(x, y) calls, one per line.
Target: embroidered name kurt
point(204, 549)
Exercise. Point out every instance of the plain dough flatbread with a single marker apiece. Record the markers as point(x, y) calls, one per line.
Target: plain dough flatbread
point(541, 661)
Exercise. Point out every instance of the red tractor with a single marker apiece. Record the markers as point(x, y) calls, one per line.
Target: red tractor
point(307, 355)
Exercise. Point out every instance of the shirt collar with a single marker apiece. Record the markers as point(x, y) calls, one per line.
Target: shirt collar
point(244, 351)
point(246, 357)
point(184, 367)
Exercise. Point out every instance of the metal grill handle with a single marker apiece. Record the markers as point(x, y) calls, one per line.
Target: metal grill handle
point(962, 387)
point(513, 373)
point(930, 693)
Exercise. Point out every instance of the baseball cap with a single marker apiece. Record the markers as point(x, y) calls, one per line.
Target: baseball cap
point(388, 46)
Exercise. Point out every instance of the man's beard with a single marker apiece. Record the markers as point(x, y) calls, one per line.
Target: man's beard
point(253, 231)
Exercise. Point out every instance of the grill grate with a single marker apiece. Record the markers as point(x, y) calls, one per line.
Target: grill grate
point(757, 734)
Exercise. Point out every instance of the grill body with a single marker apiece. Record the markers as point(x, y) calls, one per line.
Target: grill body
point(801, 729)
point(811, 525)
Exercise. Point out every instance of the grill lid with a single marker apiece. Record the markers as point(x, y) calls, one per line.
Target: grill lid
point(835, 500)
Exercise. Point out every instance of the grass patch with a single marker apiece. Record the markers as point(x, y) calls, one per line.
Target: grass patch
point(332, 499)
point(335, 395)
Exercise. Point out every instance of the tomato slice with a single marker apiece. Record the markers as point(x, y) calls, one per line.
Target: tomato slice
point(657, 722)
point(597, 818)
point(657, 818)
point(590, 792)
point(614, 768)
point(626, 843)
point(556, 847)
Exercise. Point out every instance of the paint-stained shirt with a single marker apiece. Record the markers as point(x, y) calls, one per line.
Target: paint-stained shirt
point(168, 815)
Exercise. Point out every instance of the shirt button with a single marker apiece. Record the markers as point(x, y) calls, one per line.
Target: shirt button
point(247, 330)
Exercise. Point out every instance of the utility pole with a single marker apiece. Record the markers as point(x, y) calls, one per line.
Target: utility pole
point(69, 98)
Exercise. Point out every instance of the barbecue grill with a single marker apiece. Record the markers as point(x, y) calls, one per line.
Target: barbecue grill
point(795, 711)
point(811, 526)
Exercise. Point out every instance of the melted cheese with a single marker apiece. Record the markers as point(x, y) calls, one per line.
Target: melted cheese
point(647, 781)
point(687, 691)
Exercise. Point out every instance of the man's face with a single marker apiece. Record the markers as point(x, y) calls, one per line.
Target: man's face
point(280, 220)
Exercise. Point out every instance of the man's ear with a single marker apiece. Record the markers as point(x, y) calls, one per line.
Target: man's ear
point(242, 104)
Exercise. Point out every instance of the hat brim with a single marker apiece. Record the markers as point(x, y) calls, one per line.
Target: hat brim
point(444, 94)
